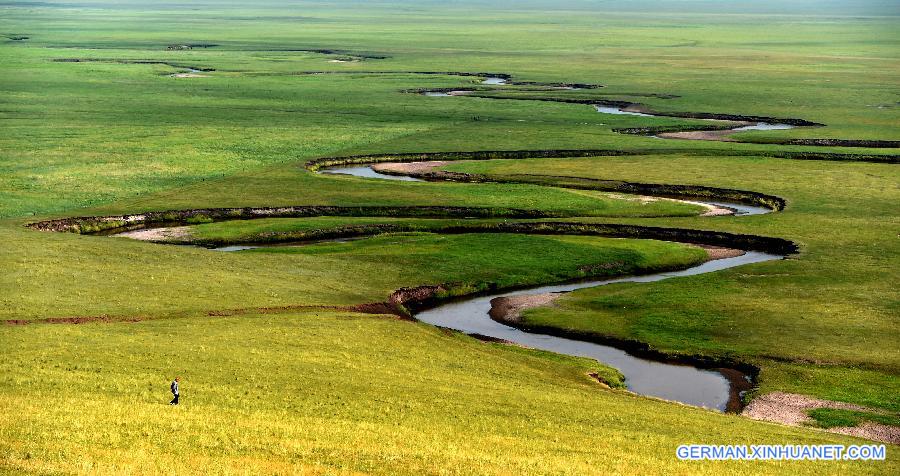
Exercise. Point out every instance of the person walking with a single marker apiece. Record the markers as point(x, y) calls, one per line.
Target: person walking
point(174, 388)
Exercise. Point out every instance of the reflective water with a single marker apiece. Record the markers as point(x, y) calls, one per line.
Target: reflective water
point(235, 248)
point(620, 111)
point(683, 383)
point(741, 209)
point(367, 172)
point(764, 126)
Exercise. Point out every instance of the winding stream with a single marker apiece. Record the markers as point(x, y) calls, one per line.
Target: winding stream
point(655, 376)
point(717, 389)
point(764, 126)
point(366, 171)
point(619, 111)
point(755, 126)
point(684, 383)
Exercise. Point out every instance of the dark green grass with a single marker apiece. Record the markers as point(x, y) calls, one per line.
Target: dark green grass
point(821, 322)
point(831, 418)
point(526, 259)
point(282, 230)
point(147, 280)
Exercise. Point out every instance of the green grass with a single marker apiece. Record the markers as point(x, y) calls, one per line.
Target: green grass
point(113, 131)
point(335, 392)
point(525, 259)
point(251, 230)
point(339, 392)
point(286, 230)
point(830, 418)
point(147, 280)
point(770, 312)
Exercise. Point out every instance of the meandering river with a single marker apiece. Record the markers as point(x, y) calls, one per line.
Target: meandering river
point(682, 383)
point(670, 381)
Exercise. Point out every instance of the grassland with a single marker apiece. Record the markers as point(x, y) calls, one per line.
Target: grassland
point(137, 279)
point(95, 130)
point(331, 392)
point(774, 313)
point(326, 391)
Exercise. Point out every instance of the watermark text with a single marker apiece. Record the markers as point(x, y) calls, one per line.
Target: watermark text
point(782, 452)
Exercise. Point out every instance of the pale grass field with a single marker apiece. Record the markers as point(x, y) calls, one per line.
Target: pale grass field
point(338, 393)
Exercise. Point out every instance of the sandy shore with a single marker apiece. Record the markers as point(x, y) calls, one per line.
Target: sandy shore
point(719, 252)
point(871, 431)
point(791, 409)
point(638, 108)
point(509, 308)
point(174, 233)
point(722, 136)
point(711, 210)
point(407, 168)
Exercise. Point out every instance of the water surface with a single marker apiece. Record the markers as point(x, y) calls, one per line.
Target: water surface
point(740, 209)
point(764, 126)
point(366, 171)
point(683, 383)
point(620, 111)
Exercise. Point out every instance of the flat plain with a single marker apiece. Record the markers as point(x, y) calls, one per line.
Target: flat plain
point(117, 108)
